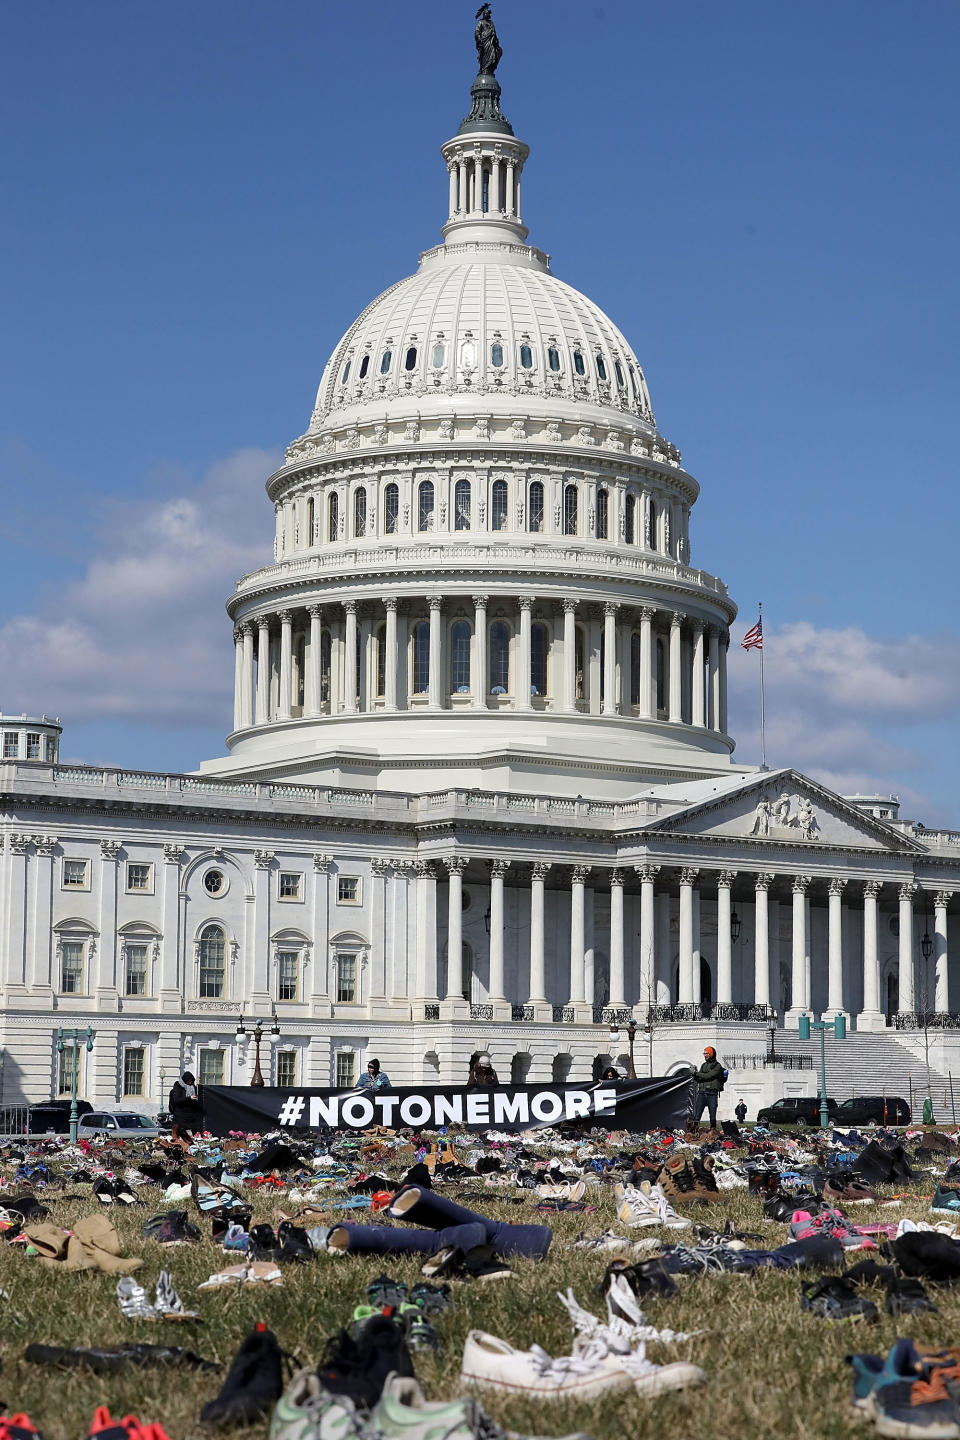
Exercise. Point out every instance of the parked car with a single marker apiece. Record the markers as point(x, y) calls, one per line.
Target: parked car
point(874, 1110)
point(798, 1110)
point(120, 1124)
point(50, 1117)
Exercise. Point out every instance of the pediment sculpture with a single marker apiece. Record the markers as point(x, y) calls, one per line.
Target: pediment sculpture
point(785, 817)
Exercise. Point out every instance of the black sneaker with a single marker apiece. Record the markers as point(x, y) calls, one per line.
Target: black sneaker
point(264, 1244)
point(170, 1228)
point(359, 1367)
point(646, 1277)
point(253, 1384)
point(908, 1297)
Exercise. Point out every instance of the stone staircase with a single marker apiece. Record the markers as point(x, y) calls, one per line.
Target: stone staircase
point(871, 1064)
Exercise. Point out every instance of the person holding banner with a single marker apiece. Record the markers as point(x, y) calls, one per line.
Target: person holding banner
point(482, 1071)
point(375, 1078)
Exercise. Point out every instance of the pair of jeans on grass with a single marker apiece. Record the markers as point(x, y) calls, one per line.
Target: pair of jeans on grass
point(448, 1224)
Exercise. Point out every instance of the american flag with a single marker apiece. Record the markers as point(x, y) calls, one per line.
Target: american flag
point(753, 640)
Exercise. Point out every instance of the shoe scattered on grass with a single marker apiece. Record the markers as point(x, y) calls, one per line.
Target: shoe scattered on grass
point(595, 1367)
point(402, 1413)
point(252, 1385)
point(836, 1299)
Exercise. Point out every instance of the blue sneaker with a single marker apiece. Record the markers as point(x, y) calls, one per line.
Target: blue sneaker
point(902, 1363)
point(945, 1202)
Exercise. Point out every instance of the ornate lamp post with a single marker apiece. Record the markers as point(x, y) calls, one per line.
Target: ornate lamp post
point(74, 1038)
point(258, 1032)
point(631, 1041)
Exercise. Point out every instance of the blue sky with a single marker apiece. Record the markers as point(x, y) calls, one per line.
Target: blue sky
point(195, 201)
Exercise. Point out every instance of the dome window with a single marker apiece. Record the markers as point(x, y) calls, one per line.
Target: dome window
point(496, 353)
point(410, 359)
point(439, 356)
point(461, 505)
point(346, 374)
point(385, 361)
point(333, 516)
point(468, 355)
point(535, 507)
point(539, 643)
point(526, 357)
point(602, 512)
point(619, 369)
point(553, 358)
point(578, 364)
point(571, 506)
point(421, 658)
point(460, 638)
point(360, 513)
point(601, 368)
point(630, 520)
point(652, 527)
point(425, 505)
point(498, 505)
point(391, 508)
point(499, 658)
point(364, 367)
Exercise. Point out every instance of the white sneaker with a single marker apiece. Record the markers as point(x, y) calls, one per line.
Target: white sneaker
point(307, 1409)
point(402, 1413)
point(591, 1370)
point(668, 1216)
point(571, 1190)
point(637, 1206)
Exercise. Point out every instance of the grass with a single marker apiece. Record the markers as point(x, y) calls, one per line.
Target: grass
point(773, 1369)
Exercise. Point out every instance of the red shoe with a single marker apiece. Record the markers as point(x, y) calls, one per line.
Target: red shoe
point(104, 1427)
point(18, 1427)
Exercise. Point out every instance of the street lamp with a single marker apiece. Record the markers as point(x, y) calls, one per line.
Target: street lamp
point(257, 1033)
point(631, 1041)
point(74, 1037)
point(735, 926)
point(839, 1028)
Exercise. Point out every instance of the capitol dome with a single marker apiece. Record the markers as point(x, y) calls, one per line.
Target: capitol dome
point(482, 570)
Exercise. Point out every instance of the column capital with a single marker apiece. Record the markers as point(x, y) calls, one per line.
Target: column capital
point(390, 602)
point(424, 868)
point(285, 617)
point(714, 631)
point(801, 883)
point(499, 868)
point(579, 873)
point(647, 872)
point(725, 879)
point(172, 854)
point(263, 859)
point(942, 898)
point(237, 634)
point(871, 889)
point(616, 876)
point(456, 864)
point(479, 602)
point(315, 612)
point(379, 866)
point(610, 607)
point(525, 602)
point(763, 880)
point(245, 627)
point(402, 867)
point(697, 625)
point(109, 849)
point(322, 863)
point(907, 891)
point(350, 606)
point(677, 618)
point(46, 844)
point(837, 886)
point(263, 622)
point(647, 612)
point(540, 869)
point(435, 602)
point(569, 607)
point(688, 875)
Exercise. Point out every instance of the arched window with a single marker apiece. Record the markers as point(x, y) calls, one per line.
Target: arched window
point(410, 359)
point(385, 360)
point(570, 509)
point(539, 642)
point(425, 512)
point(630, 520)
point(496, 353)
point(498, 505)
point(553, 358)
point(364, 367)
point(635, 668)
point(461, 505)
point(661, 675)
point(359, 512)
point(391, 508)
point(619, 369)
point(311, 513)
point(333, 516)
point(381, 644)
point(601, 514)
point(652, 524)
point(579, 663)
point(485, 192)
point(526, 357)
point(421, 657)
point(460, 657)
point(535, 506)
point(439, 356)
point(213, 950)
point(601, 368)
point(578, 364)
point(346, 374)
point(499, 658)
point(325, 665)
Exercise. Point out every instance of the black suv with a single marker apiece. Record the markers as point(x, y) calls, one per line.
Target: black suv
point(873, 1110)
point(49, 1117)
point(796, 1110)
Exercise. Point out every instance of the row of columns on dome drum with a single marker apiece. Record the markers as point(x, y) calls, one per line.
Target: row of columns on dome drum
point(605, 658)
point(655, 949)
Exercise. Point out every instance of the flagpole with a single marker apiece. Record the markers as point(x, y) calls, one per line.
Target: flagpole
point(763, 714)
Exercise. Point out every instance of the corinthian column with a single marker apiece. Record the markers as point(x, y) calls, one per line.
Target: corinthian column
point(286, 664)
point(455, 867)
point(698, 682)
point(537, 975)
point(646, 661)
point(569, 655)
point(676, 666)
point(610, 658)
point(481, 675)
point(687, 995)
point(435, 680)
point(523, 682)
point(577, 935)
point(905, 1001)
point(800, 999)
point(350, 658)
point(761, 951)
point(942, 996)
point(498, 869)
point(648, 949)
point(390, 656)
point(237, 677)
point(835, 949)
point(263, 669)
point(724, 939)
point(314, 685)
point(616, 938)
point(871, 1017)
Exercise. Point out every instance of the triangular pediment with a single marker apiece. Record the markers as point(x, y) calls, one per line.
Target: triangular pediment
point(783, 807)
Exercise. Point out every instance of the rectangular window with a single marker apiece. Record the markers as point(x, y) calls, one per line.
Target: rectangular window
point(134, 1067)
point(74, 874)
point(348, 890)
point(288, 965)
point(139, 877)
point(346, 1071)
point(66, 1060)
point(71, 967)
point(421, 658)
point(290, 885)
point(346, 979)
point(11, 745)
point(51, 750)
point(286, 1069)
point(210, 1067)
point(135, 970)
point(33, 745)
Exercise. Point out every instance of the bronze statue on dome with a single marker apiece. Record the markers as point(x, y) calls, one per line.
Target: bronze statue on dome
point(489, 51)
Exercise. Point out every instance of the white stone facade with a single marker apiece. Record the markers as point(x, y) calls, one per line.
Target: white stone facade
point(478, 790)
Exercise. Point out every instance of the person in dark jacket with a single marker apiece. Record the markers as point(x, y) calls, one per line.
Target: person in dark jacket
point(184, 1107)
point(482, 1071)
point(709, 1082)
point(741, 1111)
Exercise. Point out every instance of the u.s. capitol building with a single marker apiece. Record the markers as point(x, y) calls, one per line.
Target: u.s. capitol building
point(479, 790)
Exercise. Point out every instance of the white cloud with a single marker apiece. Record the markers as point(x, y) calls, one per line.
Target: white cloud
point(143, 635)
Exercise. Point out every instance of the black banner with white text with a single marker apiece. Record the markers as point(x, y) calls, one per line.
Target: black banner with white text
point(661, 1102)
